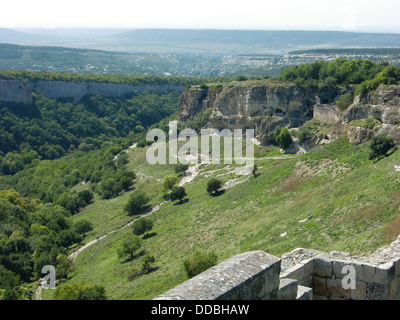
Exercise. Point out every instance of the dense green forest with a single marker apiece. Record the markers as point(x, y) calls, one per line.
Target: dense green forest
point(325, 74)
point(49, 128)
point(32, 76)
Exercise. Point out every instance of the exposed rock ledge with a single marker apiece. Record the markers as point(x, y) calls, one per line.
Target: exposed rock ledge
point(21, 92)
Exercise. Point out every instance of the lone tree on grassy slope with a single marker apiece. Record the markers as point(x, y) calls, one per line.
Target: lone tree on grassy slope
point(380, 144)
point(169, 182)
point(178, 193)
point(129, 247)
point(141, 226)
point(213, 185)
point(284, 139)
point(136, 202)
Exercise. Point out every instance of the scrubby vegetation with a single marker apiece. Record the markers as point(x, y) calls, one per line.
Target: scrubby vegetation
point(328, 75)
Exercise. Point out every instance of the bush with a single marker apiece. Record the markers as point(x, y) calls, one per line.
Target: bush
point(213, 185)
point(80, 291)
point(110, 188)
point(304, 133)
point(241, 78)
point(199, 262)
point(169, 182)
point(178, 193)
point(141, 226)
point(345, 101)
point(125, 178)
point(284, 139)
point(180, 167)
point(136, 202)
point(380, 144)
point(147, 264)
point(86, 196)
point(129, 247)
point(82, 226)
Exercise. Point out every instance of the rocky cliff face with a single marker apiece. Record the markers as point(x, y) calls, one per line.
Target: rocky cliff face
point(21, 92)
point(382, 105)
point(15, 91)
point(259, 106)
point(263, 106)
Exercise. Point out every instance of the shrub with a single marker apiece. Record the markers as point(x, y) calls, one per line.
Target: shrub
point(241, 78)
point(178, 193)
point(136, 202)
point(380, 144)
point(180, 167)
point(284, 139)
point(80, 291)
point(82, 226)
point(213, 185)
point(141, 226)
point(129, 247)
point(110, 188)
point(169, 182)
point(86, 196)
point(345, 101)
point(147, 264)
point(304, 133)
point(199, 262)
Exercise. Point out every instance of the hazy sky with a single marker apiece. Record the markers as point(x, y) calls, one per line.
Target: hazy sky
point(351, 15)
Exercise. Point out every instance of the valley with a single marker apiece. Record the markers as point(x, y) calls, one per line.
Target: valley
point(314, 183)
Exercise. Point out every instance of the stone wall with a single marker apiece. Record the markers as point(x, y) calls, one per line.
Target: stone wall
point(326, 113)
point(302, 274)
point(252, 275)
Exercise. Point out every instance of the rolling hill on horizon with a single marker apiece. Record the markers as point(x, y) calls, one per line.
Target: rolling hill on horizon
point(193, 40)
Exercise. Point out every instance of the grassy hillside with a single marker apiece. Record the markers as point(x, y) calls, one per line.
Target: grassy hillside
point(332, 198)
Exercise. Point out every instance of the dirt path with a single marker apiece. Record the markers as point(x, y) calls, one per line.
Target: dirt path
point(189, 175)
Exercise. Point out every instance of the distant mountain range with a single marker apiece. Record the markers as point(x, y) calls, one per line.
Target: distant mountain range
point(181, 40)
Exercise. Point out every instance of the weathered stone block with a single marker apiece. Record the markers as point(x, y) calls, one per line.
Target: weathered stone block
point(384, 274)
point(319, 286)
point(377, 291)
point(304, 293)
point(308, 267)
point(307, 282)
point(244, 276)
point(334, 288)
point(295, 272)
point(369, 273)
point(397, 268)
point(271, 277)
point(394, 289)
point(287, 289)
point(337, 267)
point(360, 292)
point(322, 267)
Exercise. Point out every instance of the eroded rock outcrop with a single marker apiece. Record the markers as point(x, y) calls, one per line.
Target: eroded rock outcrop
point(243, 106)
point(21, 92)
point(263, 105)
point(382, 105)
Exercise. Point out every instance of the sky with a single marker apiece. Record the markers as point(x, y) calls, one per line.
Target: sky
point(342, 15)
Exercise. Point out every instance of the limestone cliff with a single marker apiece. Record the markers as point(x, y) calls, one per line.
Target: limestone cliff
point(260, 105)
point(264, 104)
point(21, 92)
point(383, 105)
